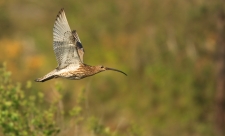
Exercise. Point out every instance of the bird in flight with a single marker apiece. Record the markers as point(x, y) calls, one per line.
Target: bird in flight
point(69, 54)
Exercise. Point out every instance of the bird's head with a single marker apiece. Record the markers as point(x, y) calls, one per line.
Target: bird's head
point(101, 68)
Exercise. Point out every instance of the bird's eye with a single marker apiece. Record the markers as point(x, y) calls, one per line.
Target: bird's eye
point(102, 67)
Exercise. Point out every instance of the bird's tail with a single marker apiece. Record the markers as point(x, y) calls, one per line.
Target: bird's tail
point(49, 76)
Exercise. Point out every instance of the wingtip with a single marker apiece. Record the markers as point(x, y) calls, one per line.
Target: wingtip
point(60, 12)
point(62, 9)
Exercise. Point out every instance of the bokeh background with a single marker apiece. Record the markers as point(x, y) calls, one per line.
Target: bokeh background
point(168, 48)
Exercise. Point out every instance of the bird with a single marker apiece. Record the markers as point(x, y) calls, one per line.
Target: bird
point(69, 54)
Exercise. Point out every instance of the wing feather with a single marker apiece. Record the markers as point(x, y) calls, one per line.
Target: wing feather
point(63, 42)
point(79, 46)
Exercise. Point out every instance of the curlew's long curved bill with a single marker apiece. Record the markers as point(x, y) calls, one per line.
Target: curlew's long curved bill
point(115, 70)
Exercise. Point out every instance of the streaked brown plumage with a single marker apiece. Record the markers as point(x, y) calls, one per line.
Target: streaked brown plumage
point(69, 54)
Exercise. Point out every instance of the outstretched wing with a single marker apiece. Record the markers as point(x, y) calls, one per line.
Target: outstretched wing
point(63, 42)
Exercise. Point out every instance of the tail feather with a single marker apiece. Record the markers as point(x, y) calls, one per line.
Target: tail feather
point(44, 79)
point(49, 76)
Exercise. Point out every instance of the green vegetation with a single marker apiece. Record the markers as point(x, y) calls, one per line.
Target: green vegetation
point(24, 112)
point(20, 110)
point(167, 48)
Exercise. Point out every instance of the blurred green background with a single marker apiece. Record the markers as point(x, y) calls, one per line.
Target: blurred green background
point(167, 48)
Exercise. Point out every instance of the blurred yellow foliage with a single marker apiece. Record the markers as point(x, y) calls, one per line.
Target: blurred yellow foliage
point(2, 2)
point(34, 62)
point(14, 52)
point(9, 49)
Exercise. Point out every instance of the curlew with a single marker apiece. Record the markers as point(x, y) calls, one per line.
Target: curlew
point(69, 54)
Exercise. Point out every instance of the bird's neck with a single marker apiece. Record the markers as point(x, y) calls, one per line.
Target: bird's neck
point(91, 70)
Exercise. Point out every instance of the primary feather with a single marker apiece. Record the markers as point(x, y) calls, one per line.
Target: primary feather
point(65, 43)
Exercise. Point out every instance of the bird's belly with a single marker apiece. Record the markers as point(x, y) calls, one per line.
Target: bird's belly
point(74, 78)
point(72, 75)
